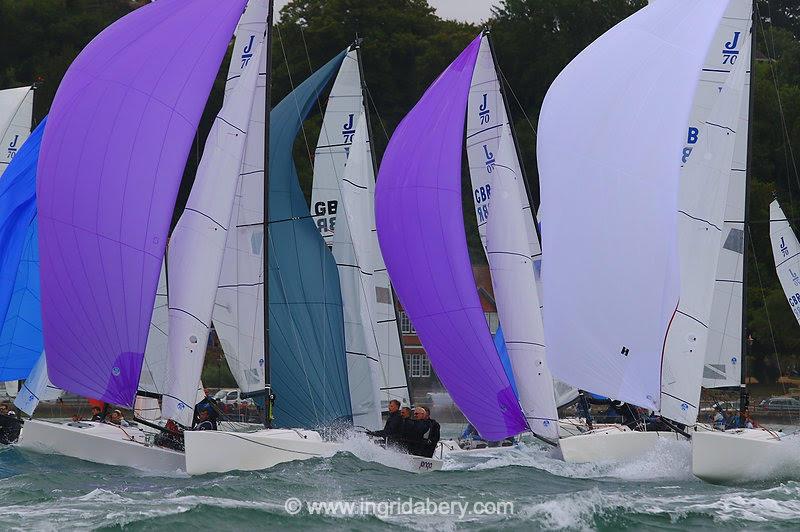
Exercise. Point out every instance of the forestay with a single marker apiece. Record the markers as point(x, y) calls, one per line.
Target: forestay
point(124, 108)
point(306, 341)
point(703, 192)
point(724, 351)
point(353, 254)
point(611, 280)
point(421, 234)
point(345, 105)
point(239, 307)
point(197, 246)
point(786, 252)
point(516, 294)
point(16, 116)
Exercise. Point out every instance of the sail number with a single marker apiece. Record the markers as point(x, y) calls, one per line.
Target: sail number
point(482, 195)
point(324, 212)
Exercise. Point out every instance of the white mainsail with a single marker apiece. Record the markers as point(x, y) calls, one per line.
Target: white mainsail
point(607, 317)
point(239, 305)
point(154, 368)
point(197, 246)
point(704, 187)
point(337, 136)
point(345, 105)
point(352, 249)
point(516, 294)
point(16, 117)
point(724, 351)
point(786, 252)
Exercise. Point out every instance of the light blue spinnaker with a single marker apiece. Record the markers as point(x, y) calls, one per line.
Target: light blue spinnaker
point(306, 328)
point(20, 307)
point(500, 345)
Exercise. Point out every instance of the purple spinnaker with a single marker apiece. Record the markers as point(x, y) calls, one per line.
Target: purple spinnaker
point(421, 232)
point(118, 136)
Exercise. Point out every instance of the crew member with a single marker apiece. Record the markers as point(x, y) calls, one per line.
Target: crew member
point(393, 427)
point(203, 421)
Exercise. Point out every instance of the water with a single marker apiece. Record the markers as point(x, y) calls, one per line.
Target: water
point(656, 491)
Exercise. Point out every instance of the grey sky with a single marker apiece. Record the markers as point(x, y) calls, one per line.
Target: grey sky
point(465, 10)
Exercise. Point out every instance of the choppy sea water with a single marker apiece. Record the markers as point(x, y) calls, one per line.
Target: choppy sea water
point(657, 491)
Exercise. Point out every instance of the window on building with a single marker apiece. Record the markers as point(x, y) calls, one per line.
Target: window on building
point(406, 327)
point(418, 365)
point(493, 321)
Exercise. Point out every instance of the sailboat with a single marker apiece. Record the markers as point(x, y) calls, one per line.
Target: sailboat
point(422, 238)
point(16, 117)
point(123, 109)
point(628, 300)
point(745, 454)
point(343, 194)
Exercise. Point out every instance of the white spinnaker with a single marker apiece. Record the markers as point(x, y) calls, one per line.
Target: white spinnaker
point(703, 193)
point(609, 129)
point(352, 251)
point(16, 116)
point(786, 252)
point(486, 123)
point(239, 305)
point(345, 105)
point(156, 353)
point(197, 246)
point(516, 294)
point(37, 387)
point(724, 351)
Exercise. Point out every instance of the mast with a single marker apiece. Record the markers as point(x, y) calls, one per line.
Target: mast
point(534, 206)
point(374, 156)
point(743, 396)
point(268, 398)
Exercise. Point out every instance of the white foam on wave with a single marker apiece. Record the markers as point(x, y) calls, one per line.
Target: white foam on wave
point(359, 444)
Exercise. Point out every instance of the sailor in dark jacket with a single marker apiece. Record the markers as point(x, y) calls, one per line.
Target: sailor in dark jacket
point(424, 434)
point(393, 427)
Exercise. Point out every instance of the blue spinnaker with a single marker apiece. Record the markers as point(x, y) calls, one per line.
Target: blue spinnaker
point(20, 308)
point(500, 345)
point(306, 327)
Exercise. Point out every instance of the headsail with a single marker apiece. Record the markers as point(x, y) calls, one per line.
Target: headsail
point(607, 320)
point(197, 246)
point(239, 306)
point(786, 252)
point(703, 192)
point(352, 251)
point(514, 283)
point(16, 116)
point(306, 341)
point(421, 233)
point(124, 108)
point(724, 351)
point(156, 353)
point(20, 309)
point(37, 387)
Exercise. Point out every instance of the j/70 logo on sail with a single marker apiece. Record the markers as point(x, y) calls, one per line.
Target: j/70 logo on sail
point(348, 130)
point(729, 52)
point(12, 148)
point(483, 111)
point(247, 53)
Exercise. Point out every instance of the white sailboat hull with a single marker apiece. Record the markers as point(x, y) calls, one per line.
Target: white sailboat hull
point(100, 443)
point(222, 451)
point(610, 443)
point(743, 455)
point(452, 447)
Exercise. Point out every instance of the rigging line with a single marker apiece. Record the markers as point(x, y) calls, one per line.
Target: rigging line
point(291, 84)
point(375, 107)
point(766, 309)
point(519, 104)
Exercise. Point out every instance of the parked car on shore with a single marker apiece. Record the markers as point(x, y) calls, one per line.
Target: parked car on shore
point(780, 404)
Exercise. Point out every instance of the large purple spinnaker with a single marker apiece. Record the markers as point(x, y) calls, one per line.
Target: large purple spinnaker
point(112, 158)
point(421, 232)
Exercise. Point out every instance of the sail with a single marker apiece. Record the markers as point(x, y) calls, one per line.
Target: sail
point(421, 233)
point(37, 387)
point(16, 116)
point(786, 252)
point(197, 246)
point(239, 308)
point(724, 351)
point(516, 294)
point(703, 193)
point(352, 251)
point(306, 331)
point(345, 105)
point(607, 318)
point(20, 309)
point(113, 155)
point(156, 352)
